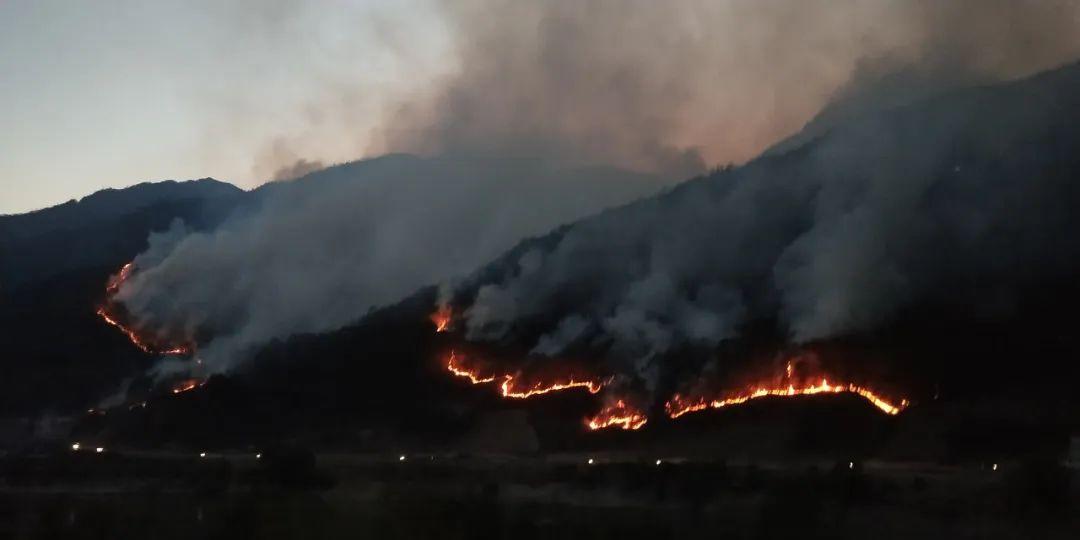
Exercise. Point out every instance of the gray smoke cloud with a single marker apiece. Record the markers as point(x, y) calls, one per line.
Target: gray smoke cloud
point(318, 253)
point(299, 168)
point(538, 95)
point(669, 87)
point(962, 201)
point(654, 86)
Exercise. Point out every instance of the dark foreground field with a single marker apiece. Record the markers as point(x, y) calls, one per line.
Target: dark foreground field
point(291, 494)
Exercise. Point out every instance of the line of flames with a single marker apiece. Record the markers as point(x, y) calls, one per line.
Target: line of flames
point(115, 281)
point(619, 414)
point(625, 416)
point(680, 405)
point(134, 337)
point(187, 385)
point(507, 390)
point(111, 288)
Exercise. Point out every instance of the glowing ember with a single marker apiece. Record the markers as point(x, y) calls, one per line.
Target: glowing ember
point(515, 388)
point(679, 405)
point(111, 288)
point(618, 415)
point(441, 318)
point(186, 385)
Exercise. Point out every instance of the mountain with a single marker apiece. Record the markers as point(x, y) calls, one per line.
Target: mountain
point(101, 228)
point(317, 253)
point(54, 263)
point(954, 210)
point(874, 89)
point(927, 247)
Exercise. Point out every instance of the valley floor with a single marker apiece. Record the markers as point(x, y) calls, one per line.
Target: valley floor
point(156, 495)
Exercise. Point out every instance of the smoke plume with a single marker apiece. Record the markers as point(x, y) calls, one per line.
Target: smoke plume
point(539, 96)
point(312, 255)
point(941, 203)
point(668, 88)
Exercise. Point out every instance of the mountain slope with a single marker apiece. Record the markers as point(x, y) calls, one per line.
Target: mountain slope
point(100, 228)
point(55, 262)
point(317, 253)
point(953, 216)
point(963, 202)
point(53, 266)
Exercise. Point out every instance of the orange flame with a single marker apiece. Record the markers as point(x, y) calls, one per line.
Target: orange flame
point(186, 385)
point(625, 416)
point(113, 285)
point(111, 288)
point(441, 318)
point(452, 365)
point(618, 415)
point(512, 385)
point(508, 389)
point(679, 404)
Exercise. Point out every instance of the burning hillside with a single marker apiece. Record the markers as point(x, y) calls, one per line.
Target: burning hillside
point(110, 312)
point(791, 382)
point(917, 232)
point(801, 376)
point(649, 308)
point(519, 386)
point(619, 414)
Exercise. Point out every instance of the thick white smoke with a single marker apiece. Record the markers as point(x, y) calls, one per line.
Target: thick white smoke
point(541, 91)
point(961, 201)
point(320, 252)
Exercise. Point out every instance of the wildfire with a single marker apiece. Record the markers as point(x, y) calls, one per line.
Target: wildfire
point(111, 288)
point(473, 376)
point(514, 388)
point(679, 405)
point(135, 339)
point(618, 415)
point(509, 390)
point(187, 385)
point(114, 283)
point(441, 318)
point(625, 416)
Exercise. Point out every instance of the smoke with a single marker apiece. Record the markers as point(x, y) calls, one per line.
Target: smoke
point(531, 100)
point(300, 167)
point(668, 88)
point(280, 161)
point(962, 202)
point(318, 253)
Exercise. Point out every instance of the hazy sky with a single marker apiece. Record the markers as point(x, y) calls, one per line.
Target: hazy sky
point(111, 93)
point(114, 92)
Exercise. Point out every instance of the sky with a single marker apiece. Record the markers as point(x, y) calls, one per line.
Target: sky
point(113, 93)
point(116, 92)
